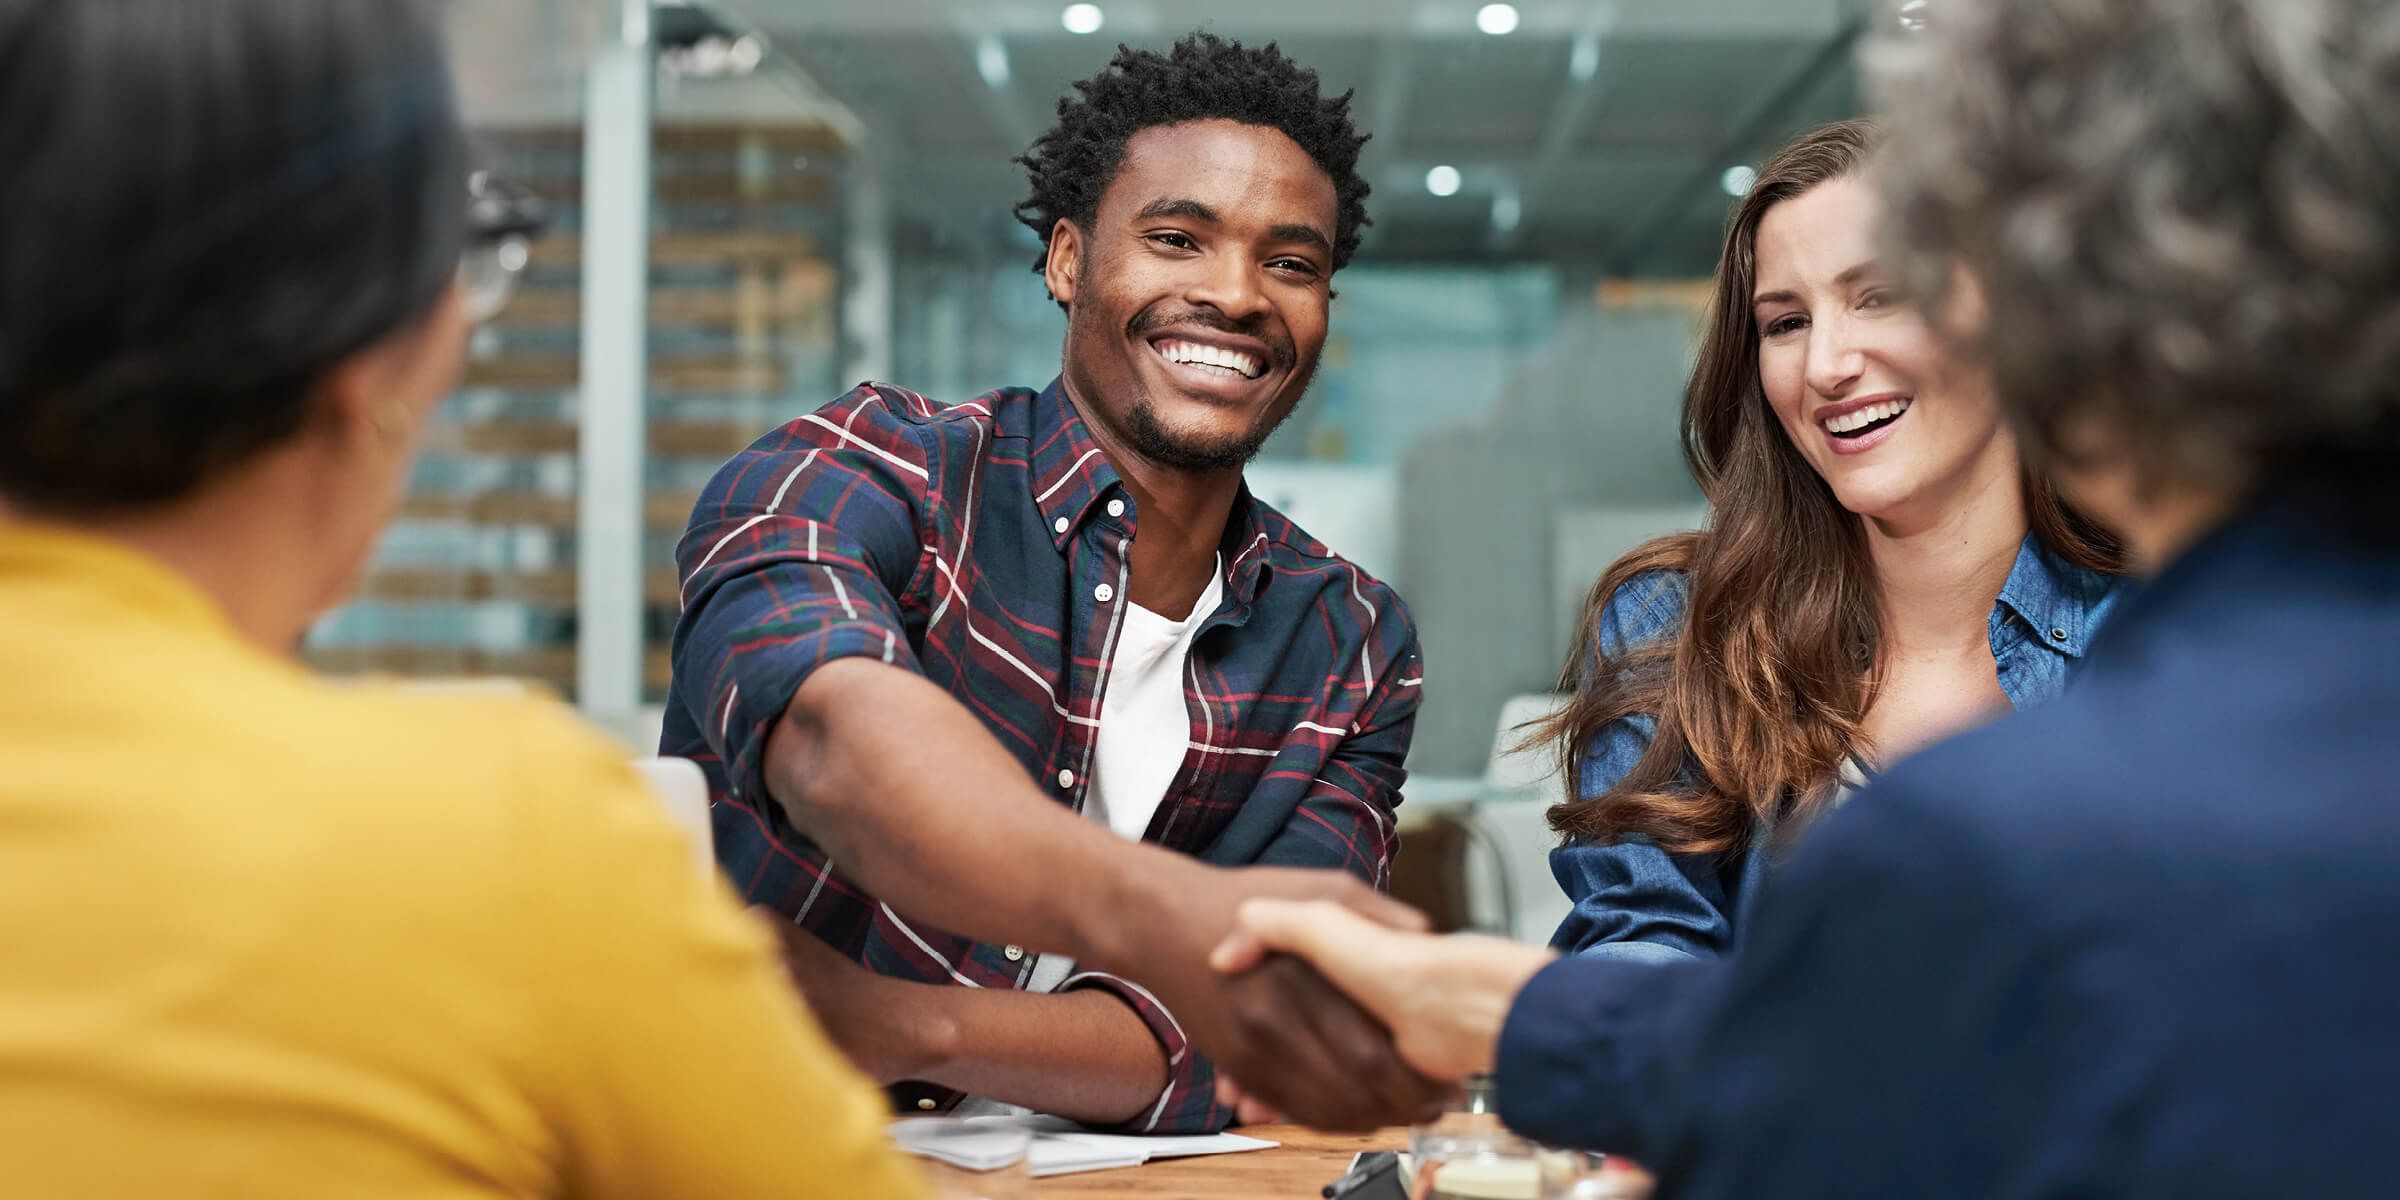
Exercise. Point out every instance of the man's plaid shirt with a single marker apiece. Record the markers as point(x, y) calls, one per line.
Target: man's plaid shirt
point(984, 545)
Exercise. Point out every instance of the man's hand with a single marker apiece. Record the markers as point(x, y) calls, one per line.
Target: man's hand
point(871, 1019)
point(1444, 998)
point(1294, 1043)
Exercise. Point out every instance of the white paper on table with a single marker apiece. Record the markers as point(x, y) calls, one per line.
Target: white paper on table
point(1061, 1147)
point(958, 1143)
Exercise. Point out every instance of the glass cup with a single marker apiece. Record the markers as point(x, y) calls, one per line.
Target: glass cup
point(1466, 1154)
point(969, 1160)
point(1580, 1175)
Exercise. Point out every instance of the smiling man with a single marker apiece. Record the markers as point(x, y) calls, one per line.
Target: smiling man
point(993, 695)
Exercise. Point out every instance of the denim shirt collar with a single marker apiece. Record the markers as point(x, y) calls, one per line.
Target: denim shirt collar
point(2059, 603)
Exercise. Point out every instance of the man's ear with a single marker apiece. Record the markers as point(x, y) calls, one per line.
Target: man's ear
point(1062, 268)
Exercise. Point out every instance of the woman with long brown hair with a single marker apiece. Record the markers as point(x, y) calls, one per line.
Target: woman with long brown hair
point(1879, 570)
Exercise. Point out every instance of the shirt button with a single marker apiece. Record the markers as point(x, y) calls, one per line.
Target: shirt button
point(2057, 634)
point(925, 1104)
point(1013, 953)
point(1066, 779)
point(1104, 593)
point(1060, 525)
point(1116, 508)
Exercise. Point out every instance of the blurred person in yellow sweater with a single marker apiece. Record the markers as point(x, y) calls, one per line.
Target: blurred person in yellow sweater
point(267, 935)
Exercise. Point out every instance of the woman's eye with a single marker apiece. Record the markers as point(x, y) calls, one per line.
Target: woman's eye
point(1788, 323)
point(1877, 298)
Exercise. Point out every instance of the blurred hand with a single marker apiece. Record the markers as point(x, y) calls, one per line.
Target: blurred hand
point(1296, 1045)
point(1444, 998)
point(867, 1016)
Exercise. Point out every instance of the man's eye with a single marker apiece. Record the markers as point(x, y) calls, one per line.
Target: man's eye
point(1173, 241)
point(1300, 265)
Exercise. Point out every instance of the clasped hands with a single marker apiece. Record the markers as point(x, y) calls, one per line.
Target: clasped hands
point(1318, 999)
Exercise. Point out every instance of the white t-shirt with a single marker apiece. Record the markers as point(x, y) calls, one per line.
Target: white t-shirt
point(1145, 726)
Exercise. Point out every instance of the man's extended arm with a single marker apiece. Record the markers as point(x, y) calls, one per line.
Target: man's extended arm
point(961, 838)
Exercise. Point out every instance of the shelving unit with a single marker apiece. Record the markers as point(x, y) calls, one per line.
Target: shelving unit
point(477, 577)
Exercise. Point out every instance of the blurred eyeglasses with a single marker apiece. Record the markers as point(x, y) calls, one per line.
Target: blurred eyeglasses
point(503, 219)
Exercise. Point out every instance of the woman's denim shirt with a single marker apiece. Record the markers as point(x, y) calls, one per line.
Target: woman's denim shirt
point(1634, 900)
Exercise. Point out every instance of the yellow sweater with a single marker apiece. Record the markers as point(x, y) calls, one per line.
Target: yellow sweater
point(263, 935)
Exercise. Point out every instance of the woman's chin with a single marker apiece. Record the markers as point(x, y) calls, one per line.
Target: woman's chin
point(1876, 499)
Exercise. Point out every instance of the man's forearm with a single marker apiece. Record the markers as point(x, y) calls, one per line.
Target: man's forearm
point(913, 798)
point(1083, 1055)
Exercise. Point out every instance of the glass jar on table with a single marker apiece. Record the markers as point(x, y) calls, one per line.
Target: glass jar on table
point(1467, 1154)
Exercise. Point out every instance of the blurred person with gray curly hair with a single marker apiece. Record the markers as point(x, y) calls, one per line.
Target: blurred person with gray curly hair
point(2136, 942)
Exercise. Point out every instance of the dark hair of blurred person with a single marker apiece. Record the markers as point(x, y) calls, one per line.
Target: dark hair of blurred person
point(1854, 595)
point(278, 936)
point(193, 241)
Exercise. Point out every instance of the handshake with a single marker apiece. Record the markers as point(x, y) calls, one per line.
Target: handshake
point(1329, 1004)
point(1316, 998)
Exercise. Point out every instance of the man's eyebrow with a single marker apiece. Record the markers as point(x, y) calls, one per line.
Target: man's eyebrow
point(1190, 210)
point(1306, 235)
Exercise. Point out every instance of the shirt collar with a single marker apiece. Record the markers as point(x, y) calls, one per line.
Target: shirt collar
point(1247, 540)
point(1072, 476)
point(2058, 600)
point(1070, 471)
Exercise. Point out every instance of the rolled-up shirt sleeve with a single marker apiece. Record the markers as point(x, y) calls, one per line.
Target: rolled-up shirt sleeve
point(800, 551)
point(1632, 899)
point(1635, 901)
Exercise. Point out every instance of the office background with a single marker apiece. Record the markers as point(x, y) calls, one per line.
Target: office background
point(757, 203)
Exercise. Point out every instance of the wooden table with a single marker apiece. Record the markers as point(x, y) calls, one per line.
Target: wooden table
point(1304, 1163)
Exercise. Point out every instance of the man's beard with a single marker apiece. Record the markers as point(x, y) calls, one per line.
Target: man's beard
point(1154, 441)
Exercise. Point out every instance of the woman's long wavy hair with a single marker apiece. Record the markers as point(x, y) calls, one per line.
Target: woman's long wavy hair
point(1761, 694)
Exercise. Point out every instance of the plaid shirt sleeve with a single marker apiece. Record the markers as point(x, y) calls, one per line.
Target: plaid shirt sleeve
point(1346, 820)
point(798, 553)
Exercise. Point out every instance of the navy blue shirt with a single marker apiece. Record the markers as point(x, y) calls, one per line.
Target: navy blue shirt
point(1635, 900)
point(2142, 941)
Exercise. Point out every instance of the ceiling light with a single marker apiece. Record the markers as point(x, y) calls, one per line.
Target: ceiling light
point(1508, 211)
point(1915, 15)
point(1738, 180)
point(1081, 18)
point(1496, 19)
point(1442, 180)
point(746, 53)
point(1584, 62)
point(991, 60)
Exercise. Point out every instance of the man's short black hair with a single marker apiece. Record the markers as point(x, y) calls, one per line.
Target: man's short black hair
point(204, 204)
point(1204, 77)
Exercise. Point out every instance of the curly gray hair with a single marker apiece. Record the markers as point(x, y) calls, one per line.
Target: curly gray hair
point(2184, 214)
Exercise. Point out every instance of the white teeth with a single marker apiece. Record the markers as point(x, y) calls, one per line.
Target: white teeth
point(1866, 416)
point(1193, 354)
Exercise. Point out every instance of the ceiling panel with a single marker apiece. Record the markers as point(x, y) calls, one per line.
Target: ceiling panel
point(1620, 155)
